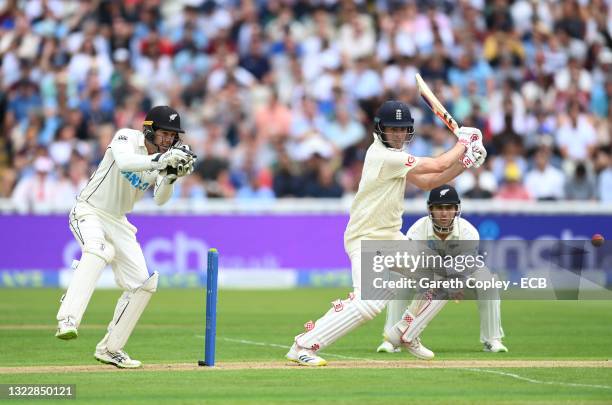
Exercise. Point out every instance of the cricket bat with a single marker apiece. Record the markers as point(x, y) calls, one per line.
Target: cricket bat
point(435, 105)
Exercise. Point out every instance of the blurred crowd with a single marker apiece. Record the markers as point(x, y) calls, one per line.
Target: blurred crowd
point(277, 97)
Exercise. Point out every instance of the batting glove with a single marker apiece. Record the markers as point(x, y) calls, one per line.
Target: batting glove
point(468, 135)
point(474, 156)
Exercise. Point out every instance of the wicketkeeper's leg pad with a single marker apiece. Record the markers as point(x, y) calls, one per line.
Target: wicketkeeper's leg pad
point(81, 287)
point(343, 317)
point(415, 319)
point(129, 307)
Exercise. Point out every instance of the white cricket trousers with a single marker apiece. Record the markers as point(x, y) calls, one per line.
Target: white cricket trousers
point(90, 224)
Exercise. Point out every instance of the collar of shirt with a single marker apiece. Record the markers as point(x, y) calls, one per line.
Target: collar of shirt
point(140, 143)
point(141, 140)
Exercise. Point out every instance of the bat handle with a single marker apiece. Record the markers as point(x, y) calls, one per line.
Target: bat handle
point(451, 124)
point(454, 128)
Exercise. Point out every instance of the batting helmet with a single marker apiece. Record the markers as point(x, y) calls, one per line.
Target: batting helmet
point(393, 114)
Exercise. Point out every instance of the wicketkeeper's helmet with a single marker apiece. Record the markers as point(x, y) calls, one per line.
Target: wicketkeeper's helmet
point(162, 117)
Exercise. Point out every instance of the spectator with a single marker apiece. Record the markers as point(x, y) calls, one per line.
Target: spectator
point(604, 187)
point(479, 183)
point(36, 193)
point(256, 188)
point(90, 61)
point(575, 74)
point(519, 70)
point(23, 99)
point(399, 75)
point(7, 182)
point(256, 61)
point(273, 120)
point(65, 143)
point(74, 179)
point(307, 122)
point(467, 70)
point(538, 124)
point(511, 153)
point(189, 61)
point(571, 20)
point(191, 188)
point(507, 110)
point(215, 143)
point(469, 103)
point(344, 131)
point(500, 45)
point(323, 184)
point(544, 181)
point(604, 127)
point(576, 137)
point(581, 185)
point(286, 181)
point(512, 189)
point(356, 36)
point(217, 180)
point(363, 82)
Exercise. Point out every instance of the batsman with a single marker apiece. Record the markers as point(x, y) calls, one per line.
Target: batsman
point(133, 162)
point(376, 214)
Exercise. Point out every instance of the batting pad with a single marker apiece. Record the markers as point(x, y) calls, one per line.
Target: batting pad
point(416, 318)
point(343, 317)
point(395, 311)
point(129, 308)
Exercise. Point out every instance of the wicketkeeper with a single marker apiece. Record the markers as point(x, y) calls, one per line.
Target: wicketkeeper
point(443, 224)
point(133, 162)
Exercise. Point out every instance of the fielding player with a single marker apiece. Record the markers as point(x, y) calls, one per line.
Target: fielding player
point(376, 214)
point(443, 224)
point(133, 162)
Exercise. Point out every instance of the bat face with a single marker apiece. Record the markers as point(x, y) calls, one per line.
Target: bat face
point(434, 104)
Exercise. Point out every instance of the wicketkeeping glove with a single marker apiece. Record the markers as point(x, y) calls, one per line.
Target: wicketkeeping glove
point(173, 157)
point(183, 167)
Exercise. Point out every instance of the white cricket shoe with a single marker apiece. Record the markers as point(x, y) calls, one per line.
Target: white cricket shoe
point(119, 359)
point(66, 329)
point(418, 350)
point(304, 357)
point(387, 347)
point(494, 346)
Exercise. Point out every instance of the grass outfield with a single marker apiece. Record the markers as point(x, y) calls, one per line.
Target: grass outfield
point(254, 327)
